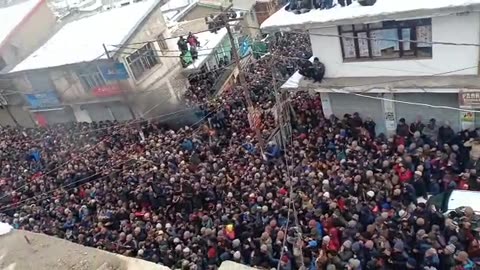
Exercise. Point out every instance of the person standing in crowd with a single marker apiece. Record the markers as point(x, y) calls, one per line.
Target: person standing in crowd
point(402, 128)
point(191, 198)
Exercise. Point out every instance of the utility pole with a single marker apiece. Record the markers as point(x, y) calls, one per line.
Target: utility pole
point(117, 81)
point(282, 107)
point(278, 105)
point(223, 18)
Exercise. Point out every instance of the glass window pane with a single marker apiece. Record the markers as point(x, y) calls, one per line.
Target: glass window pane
point(349, 46)
point(385, 43)
point(345, 28)
point(424, 34)
point(359, 27)
point(377, 25)
point(363, 44)
point(406, 35)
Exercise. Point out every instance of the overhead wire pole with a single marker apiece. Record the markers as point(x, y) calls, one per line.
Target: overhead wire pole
point(117, 81)
point(286, 142)
point(223, 17)
point(279, 105)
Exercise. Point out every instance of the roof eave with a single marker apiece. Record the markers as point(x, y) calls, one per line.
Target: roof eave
point(375, 18)
point(139, 24)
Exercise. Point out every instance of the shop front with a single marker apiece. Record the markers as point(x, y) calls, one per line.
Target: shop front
point(470, 101)
point(46, 108)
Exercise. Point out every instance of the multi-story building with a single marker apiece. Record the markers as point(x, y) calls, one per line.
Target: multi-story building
point(24, 26)
point(395, 59)
point(266, 8)
point(112, 65)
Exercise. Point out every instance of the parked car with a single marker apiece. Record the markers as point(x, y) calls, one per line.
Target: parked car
point(449, 201)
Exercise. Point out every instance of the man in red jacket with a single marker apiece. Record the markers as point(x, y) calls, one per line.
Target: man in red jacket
point(403, 173)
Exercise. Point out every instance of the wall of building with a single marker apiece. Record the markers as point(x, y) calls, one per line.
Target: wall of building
point(30, 35)
point(199, 12)
point(453, 28)
point(412, 112)
point(152, 28)
point(264, 10)
point(387, 109)
point(68, 85)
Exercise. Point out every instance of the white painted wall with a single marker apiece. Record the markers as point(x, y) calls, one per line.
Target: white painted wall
point(451, 28)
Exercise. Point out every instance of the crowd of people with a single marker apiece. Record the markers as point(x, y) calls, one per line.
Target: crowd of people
point(339, 197)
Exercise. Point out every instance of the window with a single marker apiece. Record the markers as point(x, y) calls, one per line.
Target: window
point(383, 40)
point(142, 60)
point(162, 43)
point(40, 80)
point(91, 79)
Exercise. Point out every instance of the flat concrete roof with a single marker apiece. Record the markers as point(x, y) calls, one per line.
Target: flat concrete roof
point(403, 84)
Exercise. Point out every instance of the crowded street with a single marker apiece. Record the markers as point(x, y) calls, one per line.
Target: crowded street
point(339, 196)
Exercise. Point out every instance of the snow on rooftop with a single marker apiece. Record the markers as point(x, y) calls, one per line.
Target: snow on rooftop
point(208, 41)
point(284, 18)
point(12, 16)
point(82, 40)
point(176, 4)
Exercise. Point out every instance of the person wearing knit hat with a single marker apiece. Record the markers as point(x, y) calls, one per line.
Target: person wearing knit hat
point(331, 267)
point(237, 255)
point(312, 244)
point(347, 244)
point(447, 257)
point(369, 244)
point(325, 240)
point(236, 243)
point(398, 246)
point(356, 247)
point(411, 263)
point(462, 257)
point(420, 221)
point(284, 260)
point(450, 249)
point(354, 264)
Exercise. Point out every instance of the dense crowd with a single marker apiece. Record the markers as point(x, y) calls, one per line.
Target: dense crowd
point(339, 197)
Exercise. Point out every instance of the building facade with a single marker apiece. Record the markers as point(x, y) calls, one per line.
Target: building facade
point(133, 75)
point(410, 63)
point(265, 8)
point(25, 26)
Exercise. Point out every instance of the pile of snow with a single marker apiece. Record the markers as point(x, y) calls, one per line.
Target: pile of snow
point(384, 8)
point(5, 228)
point(76, 42)
point(11, 16)
point(26, 250)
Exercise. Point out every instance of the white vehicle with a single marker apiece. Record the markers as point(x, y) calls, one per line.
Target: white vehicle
point(448, 201)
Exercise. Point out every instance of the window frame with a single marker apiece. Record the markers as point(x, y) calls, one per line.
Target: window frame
point(412, 53)
point(90, 78)
point(142, 60)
